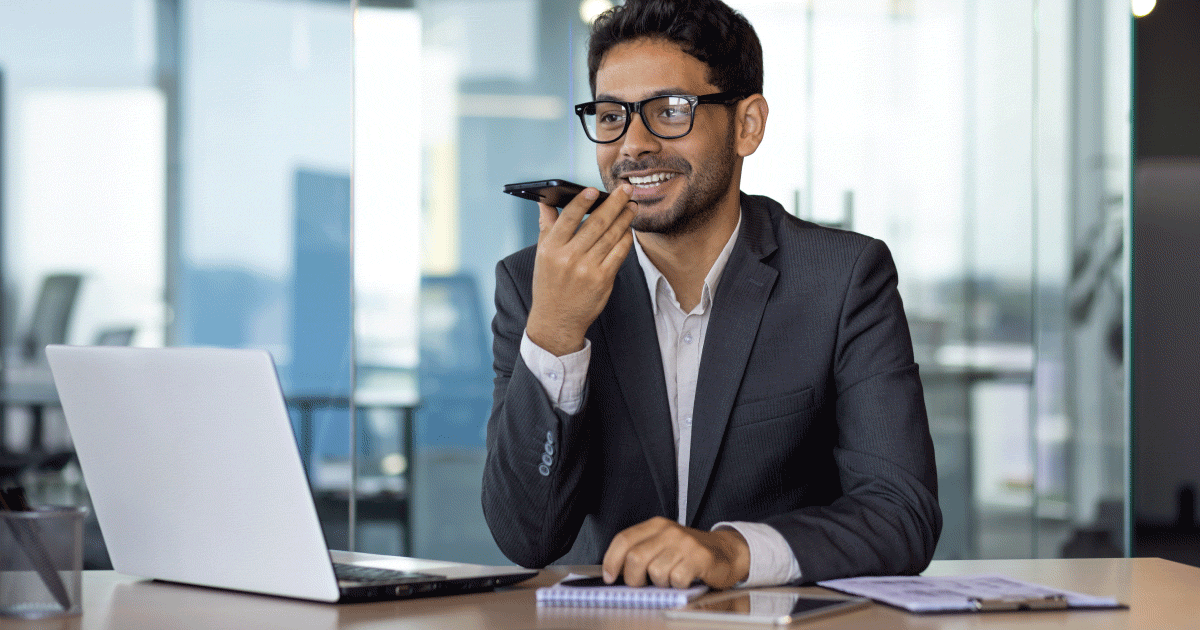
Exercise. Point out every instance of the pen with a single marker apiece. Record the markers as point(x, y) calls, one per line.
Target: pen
point(26, 535)
point(1048, 602)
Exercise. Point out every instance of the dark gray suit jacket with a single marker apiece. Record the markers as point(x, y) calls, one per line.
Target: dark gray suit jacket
point(809, 414)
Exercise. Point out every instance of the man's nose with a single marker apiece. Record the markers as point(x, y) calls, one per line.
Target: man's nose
point(638, 140)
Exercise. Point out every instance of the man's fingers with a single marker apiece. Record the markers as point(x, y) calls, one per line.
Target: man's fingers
point(676, 563)
point(684, 573)
point(600, 237)
point(610, 251)
point(617, 559)
point(614, 558)
point(616, 256)
point(572, 215)
point(611, 209)
point(612, 206)
point(638, 560)
point(661, 551)
point(604, 217)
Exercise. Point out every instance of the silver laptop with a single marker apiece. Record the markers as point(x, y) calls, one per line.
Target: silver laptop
point(194, 475)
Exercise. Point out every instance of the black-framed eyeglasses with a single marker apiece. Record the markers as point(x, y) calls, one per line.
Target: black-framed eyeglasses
point(668, 117)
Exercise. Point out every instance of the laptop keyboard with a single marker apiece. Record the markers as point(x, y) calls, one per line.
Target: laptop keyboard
point(376, 575)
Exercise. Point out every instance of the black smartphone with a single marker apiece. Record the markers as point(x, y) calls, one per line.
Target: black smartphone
point(593, 581)
point(553, 192)
point(588, 582)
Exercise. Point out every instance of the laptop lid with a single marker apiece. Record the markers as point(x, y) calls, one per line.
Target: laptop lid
point(192, 467)
point(194, 474)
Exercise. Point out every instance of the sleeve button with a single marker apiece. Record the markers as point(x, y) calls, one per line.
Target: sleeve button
point(544, 469)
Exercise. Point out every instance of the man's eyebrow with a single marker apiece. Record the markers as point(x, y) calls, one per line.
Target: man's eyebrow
point(671, 91)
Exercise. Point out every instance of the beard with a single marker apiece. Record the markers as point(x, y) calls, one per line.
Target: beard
point(697, 203)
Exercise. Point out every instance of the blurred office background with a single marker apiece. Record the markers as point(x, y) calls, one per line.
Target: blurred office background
point(321, 179)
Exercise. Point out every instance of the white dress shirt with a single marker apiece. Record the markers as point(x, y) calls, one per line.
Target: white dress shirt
point(681, 342)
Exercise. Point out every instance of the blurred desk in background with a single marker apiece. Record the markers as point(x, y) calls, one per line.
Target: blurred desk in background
point(28, 387)
point(384, 497)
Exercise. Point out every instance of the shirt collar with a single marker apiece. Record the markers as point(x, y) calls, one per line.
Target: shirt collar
point(654, 276)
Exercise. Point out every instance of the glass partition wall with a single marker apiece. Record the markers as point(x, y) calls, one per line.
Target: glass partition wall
point(261, 238)
point(179, 172)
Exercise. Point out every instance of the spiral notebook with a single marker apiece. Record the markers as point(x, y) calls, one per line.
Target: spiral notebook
point(581, 591)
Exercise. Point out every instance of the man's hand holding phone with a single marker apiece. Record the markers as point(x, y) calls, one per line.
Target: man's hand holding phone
point(575, 266)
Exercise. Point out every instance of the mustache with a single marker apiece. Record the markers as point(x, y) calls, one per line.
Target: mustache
point(670, 164)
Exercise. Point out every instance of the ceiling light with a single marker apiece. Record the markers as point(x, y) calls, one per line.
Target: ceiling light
point(589, 10)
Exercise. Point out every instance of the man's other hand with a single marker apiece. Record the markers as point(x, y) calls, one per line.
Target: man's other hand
point(668, 554)
point(575, 266)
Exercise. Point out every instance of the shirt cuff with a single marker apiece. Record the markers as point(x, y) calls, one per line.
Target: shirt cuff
point(772, 562)
point(562, 377)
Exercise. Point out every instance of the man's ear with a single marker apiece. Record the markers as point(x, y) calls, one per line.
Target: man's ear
point(750, 123)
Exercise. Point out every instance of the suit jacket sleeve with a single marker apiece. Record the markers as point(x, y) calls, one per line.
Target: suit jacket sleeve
point(533, 474)
point(887, 520)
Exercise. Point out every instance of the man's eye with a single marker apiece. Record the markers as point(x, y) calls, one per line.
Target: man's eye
point(611, 118)
point(674, 114)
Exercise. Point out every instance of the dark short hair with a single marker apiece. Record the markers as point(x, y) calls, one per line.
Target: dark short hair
point(706, 29)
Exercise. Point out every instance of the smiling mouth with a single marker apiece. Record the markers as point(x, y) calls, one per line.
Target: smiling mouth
point(649, 181)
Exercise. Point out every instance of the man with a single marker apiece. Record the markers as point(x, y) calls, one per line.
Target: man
point(735, 399)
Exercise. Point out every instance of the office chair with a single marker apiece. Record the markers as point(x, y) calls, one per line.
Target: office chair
point(119, 336)
point(49, 324)
point(51, 315)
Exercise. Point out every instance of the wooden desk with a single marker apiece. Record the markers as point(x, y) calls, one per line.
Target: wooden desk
point(1161, 594)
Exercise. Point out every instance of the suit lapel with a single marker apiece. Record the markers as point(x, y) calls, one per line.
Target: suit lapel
point(737, 310)
point(629, 331)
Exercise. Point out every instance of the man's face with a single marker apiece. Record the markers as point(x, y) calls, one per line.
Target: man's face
point(677, 183)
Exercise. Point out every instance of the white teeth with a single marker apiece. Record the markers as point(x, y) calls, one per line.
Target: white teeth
point(650, 180)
